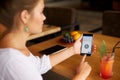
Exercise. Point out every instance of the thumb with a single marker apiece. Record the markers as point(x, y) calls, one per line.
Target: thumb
point(80, 38)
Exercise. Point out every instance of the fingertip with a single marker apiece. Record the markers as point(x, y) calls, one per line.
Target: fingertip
point(83, 59)
point(84, 56)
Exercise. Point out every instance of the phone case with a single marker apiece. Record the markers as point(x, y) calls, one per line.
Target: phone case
point(52, 49)
point(87, 44)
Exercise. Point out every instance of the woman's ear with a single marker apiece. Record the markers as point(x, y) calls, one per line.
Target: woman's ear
point(24, 16)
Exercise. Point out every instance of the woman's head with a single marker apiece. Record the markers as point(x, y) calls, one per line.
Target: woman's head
point(10, 8)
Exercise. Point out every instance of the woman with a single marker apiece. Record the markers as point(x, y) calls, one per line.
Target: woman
point(20, 19)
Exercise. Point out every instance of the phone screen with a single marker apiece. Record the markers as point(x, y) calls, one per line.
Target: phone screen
point(87, 44)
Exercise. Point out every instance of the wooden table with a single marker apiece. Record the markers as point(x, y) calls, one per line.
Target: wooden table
point(67, 68)
point(47, 29)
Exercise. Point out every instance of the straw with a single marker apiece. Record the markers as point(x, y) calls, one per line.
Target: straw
point(115, 47)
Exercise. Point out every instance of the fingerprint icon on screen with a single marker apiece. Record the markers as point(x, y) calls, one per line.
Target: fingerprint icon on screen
point(86, 46)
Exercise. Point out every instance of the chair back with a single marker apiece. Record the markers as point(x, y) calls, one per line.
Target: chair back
point(111, 23)
point(59, 16)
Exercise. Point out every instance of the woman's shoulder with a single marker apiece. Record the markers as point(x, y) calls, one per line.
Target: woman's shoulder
point(6, 54)
point(14, 62)
point(9, 55)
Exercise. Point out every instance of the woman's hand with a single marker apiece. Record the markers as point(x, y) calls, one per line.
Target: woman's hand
point(83, 70)
point(77, 46)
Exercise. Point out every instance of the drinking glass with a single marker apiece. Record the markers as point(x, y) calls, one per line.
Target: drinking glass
point(106, 66)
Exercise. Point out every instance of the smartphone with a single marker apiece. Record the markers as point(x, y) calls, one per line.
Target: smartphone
point(87, 41)
point(53, 49)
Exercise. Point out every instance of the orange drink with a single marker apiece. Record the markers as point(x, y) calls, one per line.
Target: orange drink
point(106, 66)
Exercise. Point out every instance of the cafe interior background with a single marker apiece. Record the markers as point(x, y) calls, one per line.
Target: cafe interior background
point(96, 16)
